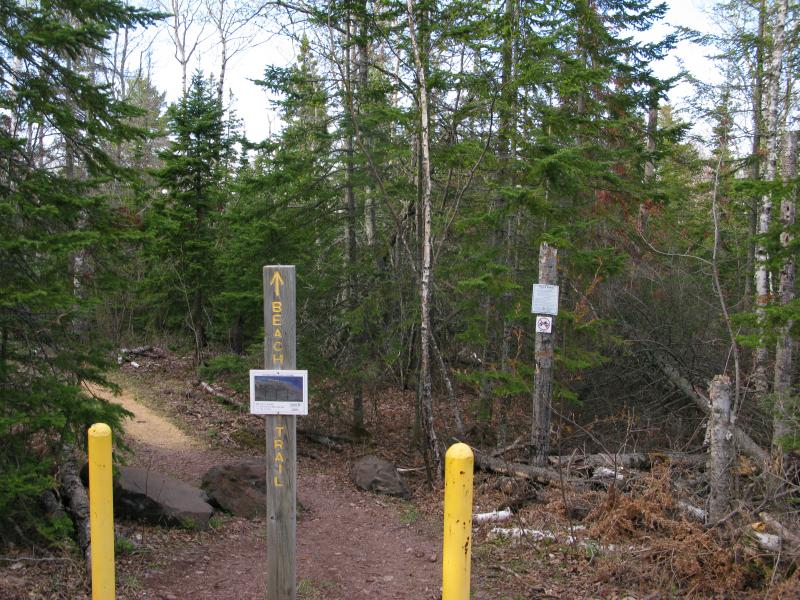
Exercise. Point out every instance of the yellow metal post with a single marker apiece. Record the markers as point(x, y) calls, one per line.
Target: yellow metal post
point(101, 512)
point(456, 556)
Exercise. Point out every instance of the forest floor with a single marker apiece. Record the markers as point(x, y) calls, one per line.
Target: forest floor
point(353, 544)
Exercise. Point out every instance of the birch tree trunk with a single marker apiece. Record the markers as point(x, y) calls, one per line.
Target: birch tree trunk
point(543, 376)
point(761, 355)
point(721, 452)
point(755, 153)
point(185, 16)
point(781, 425)
point(426, 272)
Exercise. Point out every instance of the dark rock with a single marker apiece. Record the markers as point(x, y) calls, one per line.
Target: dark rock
point(373, 474)
point(239, 488)
point(145, 495)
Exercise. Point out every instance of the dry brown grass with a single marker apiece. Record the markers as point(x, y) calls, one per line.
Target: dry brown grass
point(669, 550)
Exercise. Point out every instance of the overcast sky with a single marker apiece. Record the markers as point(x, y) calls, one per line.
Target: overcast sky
point(252, 104)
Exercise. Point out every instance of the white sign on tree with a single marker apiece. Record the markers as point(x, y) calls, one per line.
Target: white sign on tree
point(545, 299)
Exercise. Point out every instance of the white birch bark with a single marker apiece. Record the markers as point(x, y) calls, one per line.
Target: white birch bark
point(426, 272)
point(184, 21)
point(782, 385)
point(721, 451)
point(762, 285)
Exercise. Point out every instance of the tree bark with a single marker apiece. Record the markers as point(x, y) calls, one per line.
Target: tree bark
point(782, 385)
point(502, 467)
point(350, 207)
point(755, 153)
point(426, 272)
point(762, 284)
point(721, 452)
point(77, 504)
point(543, 377)
point(505, 135)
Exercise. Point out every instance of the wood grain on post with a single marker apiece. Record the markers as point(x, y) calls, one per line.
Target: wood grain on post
point(280, 353)
point(543, 376)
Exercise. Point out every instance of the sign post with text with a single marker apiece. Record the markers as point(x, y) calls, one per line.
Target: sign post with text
point(279, 355)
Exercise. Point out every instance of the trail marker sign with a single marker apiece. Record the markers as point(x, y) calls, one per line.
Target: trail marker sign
point(277, 395)
point(544, 299)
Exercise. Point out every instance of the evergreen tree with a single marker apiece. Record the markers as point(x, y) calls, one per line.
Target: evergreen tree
point(47, 354)
point(182, 222)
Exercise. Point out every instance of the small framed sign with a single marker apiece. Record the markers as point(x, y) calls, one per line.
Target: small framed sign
point(544, 324)
point(278, 392)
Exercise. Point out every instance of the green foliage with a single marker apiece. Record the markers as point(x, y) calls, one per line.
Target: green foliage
point(183, 220)
point(54, 227)
point(230, 368)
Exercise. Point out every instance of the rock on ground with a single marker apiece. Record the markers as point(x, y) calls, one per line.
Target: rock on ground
point(143, 494)
point(373, 474)
point(238, 488)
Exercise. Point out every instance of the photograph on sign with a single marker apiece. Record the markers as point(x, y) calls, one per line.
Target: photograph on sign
point(545, 299)
point(278, 392)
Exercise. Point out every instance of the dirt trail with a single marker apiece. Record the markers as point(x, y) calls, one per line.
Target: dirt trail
point(349, 544)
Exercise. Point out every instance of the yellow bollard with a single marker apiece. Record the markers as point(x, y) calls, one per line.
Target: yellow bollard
point(101, 512)
point(456, 556)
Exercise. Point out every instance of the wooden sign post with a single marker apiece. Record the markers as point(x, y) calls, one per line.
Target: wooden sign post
point(279, 353)
point(545, 303)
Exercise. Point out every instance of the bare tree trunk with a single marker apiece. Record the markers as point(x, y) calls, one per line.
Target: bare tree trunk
point(755, 152)
point(721, 452)
point(350, 206)
point(761, 356)
point(783, 350)
point(185, 14)
point(543, 377)
point(506, 146)
point(649, 165)
point(426, 272)
point(198, 326)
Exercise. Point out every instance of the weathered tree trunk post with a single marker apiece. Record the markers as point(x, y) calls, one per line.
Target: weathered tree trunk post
point(721, 452)
point(543, 376)
point(280, 353)
point(782, 386)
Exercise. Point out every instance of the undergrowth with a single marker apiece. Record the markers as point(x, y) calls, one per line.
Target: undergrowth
point(672, 552)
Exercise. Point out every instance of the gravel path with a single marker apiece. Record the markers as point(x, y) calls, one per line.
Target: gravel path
point(349, 544)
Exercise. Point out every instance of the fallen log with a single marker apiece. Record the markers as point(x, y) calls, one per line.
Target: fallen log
point(321, 439)
point(517, 443)
point(220, 397)
point(780, 529)
point(743, 441)
point(492, 517)
point(74, 492)
point(495, 465)
point(628, 460)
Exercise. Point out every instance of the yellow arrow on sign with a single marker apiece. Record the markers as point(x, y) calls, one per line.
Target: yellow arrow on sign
point(276, 281)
